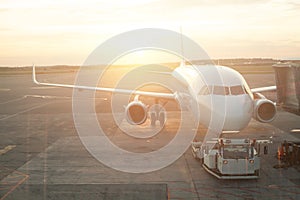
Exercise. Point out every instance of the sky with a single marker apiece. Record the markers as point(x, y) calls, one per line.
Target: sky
point(66, 32)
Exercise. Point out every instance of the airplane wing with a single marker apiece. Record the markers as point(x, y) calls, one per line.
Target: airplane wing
point(264, 89)
point(104, 89)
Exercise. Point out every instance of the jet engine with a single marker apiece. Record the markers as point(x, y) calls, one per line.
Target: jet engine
point(264, 110)
point(136, 112)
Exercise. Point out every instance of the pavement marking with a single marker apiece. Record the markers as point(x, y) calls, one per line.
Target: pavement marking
point(11, 185)
point(7, 149)
point(13, 100)
point(34, 107)
point(24, 111)
point(35, 96)
point(46, 96)
point(42, 88)
point(295, 130)
point(4, 89)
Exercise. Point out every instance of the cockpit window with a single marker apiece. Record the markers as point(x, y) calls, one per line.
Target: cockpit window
point(237, 90)
point(206, 90)
point(203, 90)
point(221, 90)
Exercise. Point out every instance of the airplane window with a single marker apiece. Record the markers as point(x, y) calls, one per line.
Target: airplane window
point(227, 91)
point(205, 90)
point(237, 90)
point(221, 90)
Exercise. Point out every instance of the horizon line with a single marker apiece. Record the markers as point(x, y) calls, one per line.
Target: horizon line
point(213, 59)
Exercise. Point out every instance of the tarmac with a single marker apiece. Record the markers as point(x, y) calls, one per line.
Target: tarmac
point(42, 157)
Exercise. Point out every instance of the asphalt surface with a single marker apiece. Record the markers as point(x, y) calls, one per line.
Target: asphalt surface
point(42, 156)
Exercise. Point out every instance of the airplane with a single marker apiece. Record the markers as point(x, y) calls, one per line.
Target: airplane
point(241, 102)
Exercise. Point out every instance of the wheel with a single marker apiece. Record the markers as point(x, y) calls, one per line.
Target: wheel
point(162, 118)
point(153, 118)
point(194, 155)
point(201, 160)
point(256, 172)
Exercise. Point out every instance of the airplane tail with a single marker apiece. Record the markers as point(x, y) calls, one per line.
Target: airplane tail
point(182, 63)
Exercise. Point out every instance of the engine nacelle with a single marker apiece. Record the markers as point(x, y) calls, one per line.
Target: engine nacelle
point(136, 113)
point(264, 110)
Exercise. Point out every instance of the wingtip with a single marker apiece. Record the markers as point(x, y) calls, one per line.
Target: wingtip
point(33, 75)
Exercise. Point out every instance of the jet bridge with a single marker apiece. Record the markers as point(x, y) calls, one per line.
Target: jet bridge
point(287, 77)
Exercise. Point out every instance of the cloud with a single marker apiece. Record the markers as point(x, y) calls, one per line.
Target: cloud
point(294, 5)
point(214, 2)
point(4, 10)
point(5, 29)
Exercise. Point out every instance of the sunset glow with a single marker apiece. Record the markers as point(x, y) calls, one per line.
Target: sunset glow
point(65, 32)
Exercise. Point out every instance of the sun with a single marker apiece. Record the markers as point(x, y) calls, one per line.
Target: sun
point(147, 57)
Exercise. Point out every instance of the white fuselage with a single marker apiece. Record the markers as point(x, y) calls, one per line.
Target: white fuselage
point(221, 93)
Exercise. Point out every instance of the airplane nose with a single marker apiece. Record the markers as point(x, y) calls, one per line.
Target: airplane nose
point(238, 112)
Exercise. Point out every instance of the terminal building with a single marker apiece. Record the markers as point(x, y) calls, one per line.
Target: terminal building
point(287, 76)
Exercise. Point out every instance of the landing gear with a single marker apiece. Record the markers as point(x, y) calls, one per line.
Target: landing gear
point(157, 113)
point(162, 118)
point(153, 118)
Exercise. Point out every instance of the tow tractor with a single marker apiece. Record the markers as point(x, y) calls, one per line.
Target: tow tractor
point(229, 158)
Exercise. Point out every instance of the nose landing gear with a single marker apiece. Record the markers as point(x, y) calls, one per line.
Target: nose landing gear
point(157, 113)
